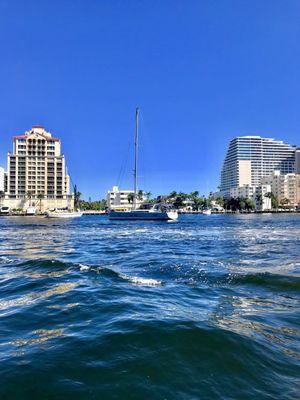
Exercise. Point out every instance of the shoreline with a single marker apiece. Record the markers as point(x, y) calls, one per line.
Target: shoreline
point(93, 213)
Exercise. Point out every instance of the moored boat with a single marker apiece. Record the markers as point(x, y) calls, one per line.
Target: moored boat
point(5, 210)
point(31, 211)
point(63, 214)
point(206, 211)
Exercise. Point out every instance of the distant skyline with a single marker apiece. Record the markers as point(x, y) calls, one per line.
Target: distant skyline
point(202, 72)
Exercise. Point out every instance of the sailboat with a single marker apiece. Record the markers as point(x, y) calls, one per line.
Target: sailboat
point(157, 212)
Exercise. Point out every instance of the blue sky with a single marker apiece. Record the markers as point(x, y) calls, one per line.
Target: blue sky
point(201, 71)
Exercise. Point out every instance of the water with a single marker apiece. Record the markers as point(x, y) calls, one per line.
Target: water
point(206, 308)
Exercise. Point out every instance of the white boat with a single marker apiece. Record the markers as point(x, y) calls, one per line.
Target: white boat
point(63, 214)
point(158, 212)
point(206, 211)
point(5, 210)
point(31, 210)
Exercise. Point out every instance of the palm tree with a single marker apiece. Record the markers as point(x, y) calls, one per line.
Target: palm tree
point(2, 195)
point(259, 199)
point(194, 195)
point(148, 195)
point(29, 195)
point(220, 200)
point(77, 196)
point(40, 197)
point(249, 204)
point(197, 201)
point(140, 195)
point(285, 202)
point(130, 198)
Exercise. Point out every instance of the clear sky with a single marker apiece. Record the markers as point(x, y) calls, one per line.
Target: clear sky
point(201, 71)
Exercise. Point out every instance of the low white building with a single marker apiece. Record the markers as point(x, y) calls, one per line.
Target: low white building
point(255, 193)
point(118, 199)
point(284, 186)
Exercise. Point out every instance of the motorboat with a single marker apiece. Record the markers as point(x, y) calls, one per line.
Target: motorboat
point(206, 211)
point(63, 214)
point(31, 211)
point(5, 210)
point(157, 212)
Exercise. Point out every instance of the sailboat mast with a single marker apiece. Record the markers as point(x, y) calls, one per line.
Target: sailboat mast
point(136, 142)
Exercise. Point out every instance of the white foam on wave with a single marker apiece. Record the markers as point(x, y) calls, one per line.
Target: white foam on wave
point(8, 260)
point(133, 279)
point(84, 267)
point(142, 281)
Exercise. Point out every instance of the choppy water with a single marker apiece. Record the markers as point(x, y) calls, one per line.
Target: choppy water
point(206, 308)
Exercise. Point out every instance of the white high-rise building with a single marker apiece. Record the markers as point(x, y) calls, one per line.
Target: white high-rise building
point(249, 158)
point(36, 172)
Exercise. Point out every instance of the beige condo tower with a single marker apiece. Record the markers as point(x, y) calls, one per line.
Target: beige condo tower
point(37, 173)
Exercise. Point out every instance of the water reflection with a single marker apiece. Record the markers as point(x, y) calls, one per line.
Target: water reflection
point(252, 317)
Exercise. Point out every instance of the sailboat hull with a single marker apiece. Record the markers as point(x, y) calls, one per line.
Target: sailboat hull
point(142, 216)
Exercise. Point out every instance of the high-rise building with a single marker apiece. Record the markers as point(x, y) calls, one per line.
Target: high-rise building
point(297, 161)
point(36, 172)
point(249, 158)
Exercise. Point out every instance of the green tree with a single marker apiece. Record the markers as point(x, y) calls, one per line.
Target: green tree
point(77, 196)
point(231, 204)
point(197, 202)
point(2, 195)
point(172, 195)
point(178, 202)
point(130, 198)
point(40, 197)
point(29, 196)
point(285, 202)
point(140, 195)
point(242, 204)
point(148, 195)
point(249, 204)
point(93, 205)
point(259, 199)
point(220, 201)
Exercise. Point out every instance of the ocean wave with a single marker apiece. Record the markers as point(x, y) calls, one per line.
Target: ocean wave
point(180, 274)
point(142, 281)
point(266, 279)
point(111, 273)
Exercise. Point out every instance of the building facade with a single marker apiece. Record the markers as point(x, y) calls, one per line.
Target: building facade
point(256, 193)
point(297, 161)
point(118, 199)
point(285, 187)
point(250, 158)
point(36, 172)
